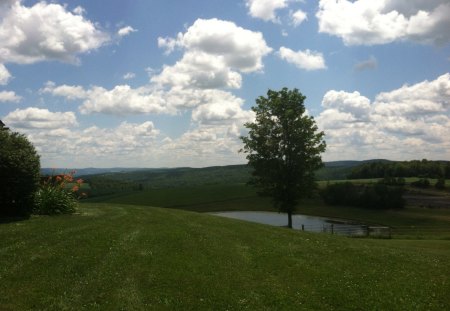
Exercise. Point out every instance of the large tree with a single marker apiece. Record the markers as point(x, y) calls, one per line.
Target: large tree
point(19, 174)
point(283, 146)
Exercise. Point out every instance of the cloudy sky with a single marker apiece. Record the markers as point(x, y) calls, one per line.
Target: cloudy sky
point(166, 83)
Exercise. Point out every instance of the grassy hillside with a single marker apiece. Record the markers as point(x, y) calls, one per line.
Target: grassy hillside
point(409, 222)
point(138, 258)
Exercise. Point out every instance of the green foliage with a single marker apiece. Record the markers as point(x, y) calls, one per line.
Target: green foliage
point(393, 181)
point(283, 147)
point(113, 183)
point(374, 196)
point(415, 168)
point(55, 197)
point(421, 183)
point(440, 184)
point(19, 174)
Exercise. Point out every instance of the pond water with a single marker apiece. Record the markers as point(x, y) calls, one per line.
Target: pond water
point(299, 222)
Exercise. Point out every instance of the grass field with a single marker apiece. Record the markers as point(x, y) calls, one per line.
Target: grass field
point(124, 257)
point(414, 223)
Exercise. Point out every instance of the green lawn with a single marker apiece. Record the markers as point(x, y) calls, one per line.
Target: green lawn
point(123, 257)
point(406, 223)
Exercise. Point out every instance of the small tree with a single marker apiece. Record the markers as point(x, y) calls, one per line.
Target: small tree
point(19, 174)
point(283, 147)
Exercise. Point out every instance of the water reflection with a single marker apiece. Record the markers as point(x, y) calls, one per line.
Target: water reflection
point(300, 222)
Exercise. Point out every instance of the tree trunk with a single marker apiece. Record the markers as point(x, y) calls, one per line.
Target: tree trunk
point(290, 219)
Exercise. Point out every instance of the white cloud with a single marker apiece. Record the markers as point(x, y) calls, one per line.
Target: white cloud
point(222, 112)
point(5, 76)
point(46, 31)
point(298, 17)
point(353, 103)
point(215, 52)
point(308, 60)
point(121, 100)
point(199, 70)
point(79, 10)
point(67, 91)
point(265, 9)
point(94, 146)
point(367, 22)
point(35, 118)
point(406, 123)
point(129, 75)
point(367, 64)
point(125, 31)
point(203, 146)
point(9, 96)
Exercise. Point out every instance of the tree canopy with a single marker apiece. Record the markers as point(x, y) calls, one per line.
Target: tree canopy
point(284, 147)
point(19, 174)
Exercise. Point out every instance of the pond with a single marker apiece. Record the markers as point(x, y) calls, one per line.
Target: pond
point(300, 222)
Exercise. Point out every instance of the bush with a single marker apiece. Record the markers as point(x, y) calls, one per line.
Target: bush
point(19, 174)
point(57, 196)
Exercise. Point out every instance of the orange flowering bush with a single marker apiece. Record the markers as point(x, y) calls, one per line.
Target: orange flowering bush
point(57, 195)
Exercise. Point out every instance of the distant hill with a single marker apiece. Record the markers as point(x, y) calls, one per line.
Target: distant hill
point(90, 170)
point(163, 177)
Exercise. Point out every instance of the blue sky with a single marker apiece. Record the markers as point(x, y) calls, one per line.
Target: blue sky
point(171, 83)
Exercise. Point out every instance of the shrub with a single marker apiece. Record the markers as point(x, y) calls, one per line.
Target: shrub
point(57, 196)
point(19, 174)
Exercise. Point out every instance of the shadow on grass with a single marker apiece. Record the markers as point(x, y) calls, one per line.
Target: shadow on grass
point(10, 219)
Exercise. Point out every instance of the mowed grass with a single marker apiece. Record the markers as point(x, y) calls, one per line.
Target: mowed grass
point(406, 223)
point(123, 257)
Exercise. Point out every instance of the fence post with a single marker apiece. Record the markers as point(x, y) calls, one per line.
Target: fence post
point(303, 227)
point(332, 228)
point(390, 234)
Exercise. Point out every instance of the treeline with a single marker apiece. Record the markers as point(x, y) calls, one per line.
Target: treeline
point(385, 194)
point(416, 168)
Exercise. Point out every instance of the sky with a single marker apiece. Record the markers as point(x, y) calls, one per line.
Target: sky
point(170, 83)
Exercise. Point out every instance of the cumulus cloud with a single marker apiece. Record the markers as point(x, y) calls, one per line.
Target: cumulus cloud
point(400, 124)
point(9, 96)
point(5, 76)
point(68, 91)
point(36, 118)
point(125, 31)
point(124, 100)
point(215, 52)
point(367, 22)
point(95, 146)
point(205, 145)
point(46, 31)
point(199, 70)
point(307, 59)
point(222, 112)
point(265, 9)
point(354, 104)
point(120, 100)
